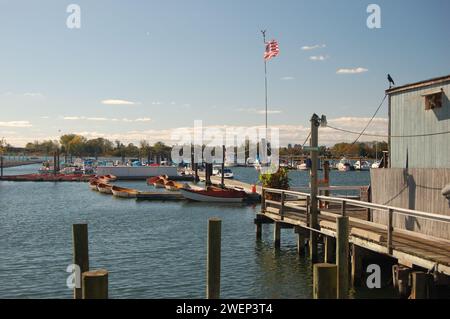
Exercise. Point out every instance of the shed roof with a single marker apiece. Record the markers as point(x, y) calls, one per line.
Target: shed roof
point(418, 84)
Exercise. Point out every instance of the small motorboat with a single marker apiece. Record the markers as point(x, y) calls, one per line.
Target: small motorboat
point(344, 165)
point(214, 194)
point(124, 192)
point(362, 166)
point(303, 167)
point(227, 173)
point(107, 178)
point(104, 188)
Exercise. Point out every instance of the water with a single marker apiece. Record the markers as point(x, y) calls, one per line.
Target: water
point(151, 249)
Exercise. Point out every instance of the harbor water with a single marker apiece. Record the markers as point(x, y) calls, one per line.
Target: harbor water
point(151, 249)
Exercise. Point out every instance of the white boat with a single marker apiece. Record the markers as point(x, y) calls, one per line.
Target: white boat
point(302, 167)
point(344, 165)
point(227, 173)
point(376, 164)
point(362, 166)
point(214, 194)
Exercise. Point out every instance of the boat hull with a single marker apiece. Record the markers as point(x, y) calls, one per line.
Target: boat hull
point(203, 197)
point(123, 194)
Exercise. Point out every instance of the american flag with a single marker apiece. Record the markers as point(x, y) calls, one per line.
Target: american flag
point(272, 50)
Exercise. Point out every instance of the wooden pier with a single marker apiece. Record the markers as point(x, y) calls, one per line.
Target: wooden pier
point(406, 249)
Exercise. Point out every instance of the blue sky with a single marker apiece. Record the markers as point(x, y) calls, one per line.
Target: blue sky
point(178, 61)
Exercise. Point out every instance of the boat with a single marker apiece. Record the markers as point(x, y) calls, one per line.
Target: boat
point(344, 165)
point(160, 182)
point(93, 184)
point(303, 167)
point(376, 164)
point(152, 180)
point(362, 166)
point(108, 177)
point(124, 192)
point(214, 194)
point(104, 188)
point(227, 173)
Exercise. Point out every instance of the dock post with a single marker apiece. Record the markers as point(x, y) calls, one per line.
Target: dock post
point(330, 250)
point(390, 230)
point(325, 281)
point(258, 231)
point(277, 234)
point(95, 284)
point(342, 229)
point(403, 281)
point(222, 175)
point(263, 200)
point(357, 265)
point(1, 165)
point(421, 285)
point(80, 252)
point(314, 153)
point(300, 240)
point(213, 258)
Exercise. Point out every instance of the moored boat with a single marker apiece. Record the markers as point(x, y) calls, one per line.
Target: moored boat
point(124, 192)
point(93, 184)
point(214, 194)
point(104, 188)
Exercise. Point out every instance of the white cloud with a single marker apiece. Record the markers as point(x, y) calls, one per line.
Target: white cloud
point(33, 94)
point(97, 119)
point(257, 111)
point(117, 102)
point(45, 117)
point(313, 47)
point(319, 57)
point(287, 78)
point(16, 124)
point(73, 118)
point(156, 103)
point(143, 119)
point(352, 71)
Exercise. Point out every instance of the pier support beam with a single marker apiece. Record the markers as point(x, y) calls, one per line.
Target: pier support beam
point(95, 284)
point(401, 280)
point(358, 254)
point(330, 250)
point(277, 234)
point(301, 235)
point(325, 281)
point(421, 285)
point(213, 258)
point(80, 252)
point(342, 255)
point(258, 230)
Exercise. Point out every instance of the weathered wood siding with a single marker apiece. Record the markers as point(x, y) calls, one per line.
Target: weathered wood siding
point(417, 189)
point(409, 117)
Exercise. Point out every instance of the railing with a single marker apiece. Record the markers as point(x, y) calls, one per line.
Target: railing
point(345, 202)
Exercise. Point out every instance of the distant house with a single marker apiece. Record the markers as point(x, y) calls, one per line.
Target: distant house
point(419, 155)
point(419, 118)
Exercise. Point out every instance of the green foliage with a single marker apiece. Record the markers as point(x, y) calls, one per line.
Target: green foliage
point(278, 180)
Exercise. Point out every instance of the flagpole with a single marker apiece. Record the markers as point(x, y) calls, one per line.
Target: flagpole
point(265, 75)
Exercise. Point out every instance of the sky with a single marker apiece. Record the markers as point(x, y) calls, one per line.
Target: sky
point(139, 69)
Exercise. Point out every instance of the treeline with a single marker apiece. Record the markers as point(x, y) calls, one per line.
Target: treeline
point(363, 149)
point(77, 145)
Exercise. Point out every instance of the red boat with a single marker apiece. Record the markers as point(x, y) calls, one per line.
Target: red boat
point(214, 194)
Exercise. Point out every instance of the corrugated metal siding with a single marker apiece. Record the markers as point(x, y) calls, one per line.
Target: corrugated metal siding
point(408, 117)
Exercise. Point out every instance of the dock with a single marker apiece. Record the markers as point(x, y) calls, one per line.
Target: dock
point(405, 248)
point(159, 196)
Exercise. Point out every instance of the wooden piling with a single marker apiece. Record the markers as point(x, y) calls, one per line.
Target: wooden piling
point(80, 252)
point(421, 284)
point(1, 166)
point(213, 258)
point(342, 255)
point(357, 265)
point(277, 234)
point(301, 234)
point(258, 230)
point(403, 281)
point(95, 284)
point(330, 250)
point(325, 281)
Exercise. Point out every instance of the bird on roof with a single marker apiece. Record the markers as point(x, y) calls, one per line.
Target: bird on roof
point(391, 81)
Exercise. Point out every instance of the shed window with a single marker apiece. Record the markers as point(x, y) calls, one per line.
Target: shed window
point(433, 101)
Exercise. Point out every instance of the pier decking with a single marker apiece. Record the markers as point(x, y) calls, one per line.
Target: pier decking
point(408, 247)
